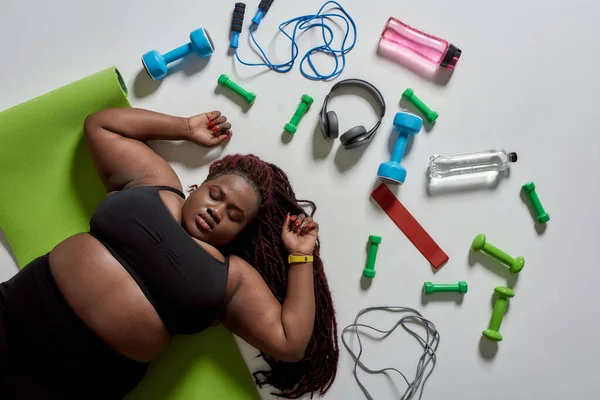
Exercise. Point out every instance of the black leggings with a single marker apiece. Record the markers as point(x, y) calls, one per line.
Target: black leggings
point(46, 352)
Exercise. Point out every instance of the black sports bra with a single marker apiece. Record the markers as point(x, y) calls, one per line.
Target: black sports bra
point(184, 283)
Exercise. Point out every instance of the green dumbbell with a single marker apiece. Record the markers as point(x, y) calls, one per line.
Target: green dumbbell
point(410, 96)
point(460, 287)
point(541, 215)
point(515, 264)
point(248, 96)
point(369, 270)
point(305, 103)
point(491, 332)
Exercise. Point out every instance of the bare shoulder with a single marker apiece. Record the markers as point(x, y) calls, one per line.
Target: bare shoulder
point(241, 274)
point(242, 268)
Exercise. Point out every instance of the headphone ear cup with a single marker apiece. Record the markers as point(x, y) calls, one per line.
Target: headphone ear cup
point(353, 134)
point(332, 125)
point(324, 125)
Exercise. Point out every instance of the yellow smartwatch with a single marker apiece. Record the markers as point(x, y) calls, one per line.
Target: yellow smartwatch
point(299, 259)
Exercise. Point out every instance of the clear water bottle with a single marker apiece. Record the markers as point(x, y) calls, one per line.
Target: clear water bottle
point(470, 163)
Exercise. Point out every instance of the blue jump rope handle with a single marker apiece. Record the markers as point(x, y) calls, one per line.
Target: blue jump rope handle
point(237, 21)
point(263, 7)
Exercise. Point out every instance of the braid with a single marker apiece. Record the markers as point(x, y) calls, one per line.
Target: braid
point(260, 245)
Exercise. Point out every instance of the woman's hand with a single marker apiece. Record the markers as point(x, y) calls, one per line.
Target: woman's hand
point(209, 130)
point(299, 234)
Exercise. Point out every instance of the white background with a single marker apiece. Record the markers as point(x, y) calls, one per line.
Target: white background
point(527, 82)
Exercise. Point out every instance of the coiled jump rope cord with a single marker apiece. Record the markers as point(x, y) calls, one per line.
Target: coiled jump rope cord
point(426, 362)
point(322, 19)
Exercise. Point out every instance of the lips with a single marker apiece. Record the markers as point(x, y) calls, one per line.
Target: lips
point(205, 222)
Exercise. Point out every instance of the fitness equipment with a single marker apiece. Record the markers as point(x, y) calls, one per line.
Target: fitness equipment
point(460, 287)
point(369, 270)
point(541, 215)
point(515, 264)
point(491, 332)
point(410, 96)
point(415, 48)
point(248, 96)
point(327, 21)
point(406, 124)
point(305, 103)
point(263, 7)
point(357, 136)
point(430, 341)
point(156, 64)
point(237, 22)
point(409, 226)
point(497, 160)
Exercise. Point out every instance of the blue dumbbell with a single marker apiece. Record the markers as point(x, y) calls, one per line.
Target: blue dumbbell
point(406, 124)
point(156, 64)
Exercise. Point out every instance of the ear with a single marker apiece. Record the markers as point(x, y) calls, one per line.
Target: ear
point(192, 188)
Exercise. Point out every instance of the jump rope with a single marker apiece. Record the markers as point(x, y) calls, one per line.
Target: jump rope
point(323, 19)
point(426, 363)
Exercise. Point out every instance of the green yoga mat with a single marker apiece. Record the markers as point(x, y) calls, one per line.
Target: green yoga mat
point(50, 190)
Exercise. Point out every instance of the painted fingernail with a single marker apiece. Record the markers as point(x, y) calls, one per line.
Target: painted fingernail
point(212, 118)
point(210, 124)
point(293, 219)
point(297, 223)
point(215, 128)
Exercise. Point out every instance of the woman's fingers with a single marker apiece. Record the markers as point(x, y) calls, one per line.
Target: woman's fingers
point(306, 225)
point(219, 120)
point(221, 127)
point(298, 225)
point(212, 116)
point(287, 224)
point(301, 224)
point(220, 139)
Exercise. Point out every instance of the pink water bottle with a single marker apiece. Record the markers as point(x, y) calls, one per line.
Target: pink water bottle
point(417, 50)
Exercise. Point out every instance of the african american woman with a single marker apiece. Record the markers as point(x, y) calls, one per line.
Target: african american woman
point(94, 312)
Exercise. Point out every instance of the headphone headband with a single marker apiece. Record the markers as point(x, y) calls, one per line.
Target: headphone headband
point(364, 138)
point(359, 83)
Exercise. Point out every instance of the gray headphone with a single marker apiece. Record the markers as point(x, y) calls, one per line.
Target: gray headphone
point(357, 136)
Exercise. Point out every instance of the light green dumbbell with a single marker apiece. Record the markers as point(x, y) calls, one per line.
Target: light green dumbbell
point(491, 332)
point(460, 287)
point(515, 264)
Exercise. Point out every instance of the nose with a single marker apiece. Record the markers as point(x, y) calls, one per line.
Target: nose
point(216, 214)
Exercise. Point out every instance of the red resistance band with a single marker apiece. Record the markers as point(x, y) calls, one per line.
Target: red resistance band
point(409, 225)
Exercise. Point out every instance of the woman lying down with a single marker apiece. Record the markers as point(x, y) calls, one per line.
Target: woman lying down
point(86, 319)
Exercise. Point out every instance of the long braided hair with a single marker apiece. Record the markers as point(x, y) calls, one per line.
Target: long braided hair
point(260, 245)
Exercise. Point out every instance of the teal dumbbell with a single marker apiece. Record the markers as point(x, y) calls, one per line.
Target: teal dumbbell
point(515, 264)
point(156, 64)
point(460, 287)
point(491, 332)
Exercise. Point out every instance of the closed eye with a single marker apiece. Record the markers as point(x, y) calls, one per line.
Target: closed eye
point(234, 218)
point(214, 194)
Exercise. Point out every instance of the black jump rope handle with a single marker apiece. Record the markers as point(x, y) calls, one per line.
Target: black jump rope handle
point(238, 17)
point(265, 5)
